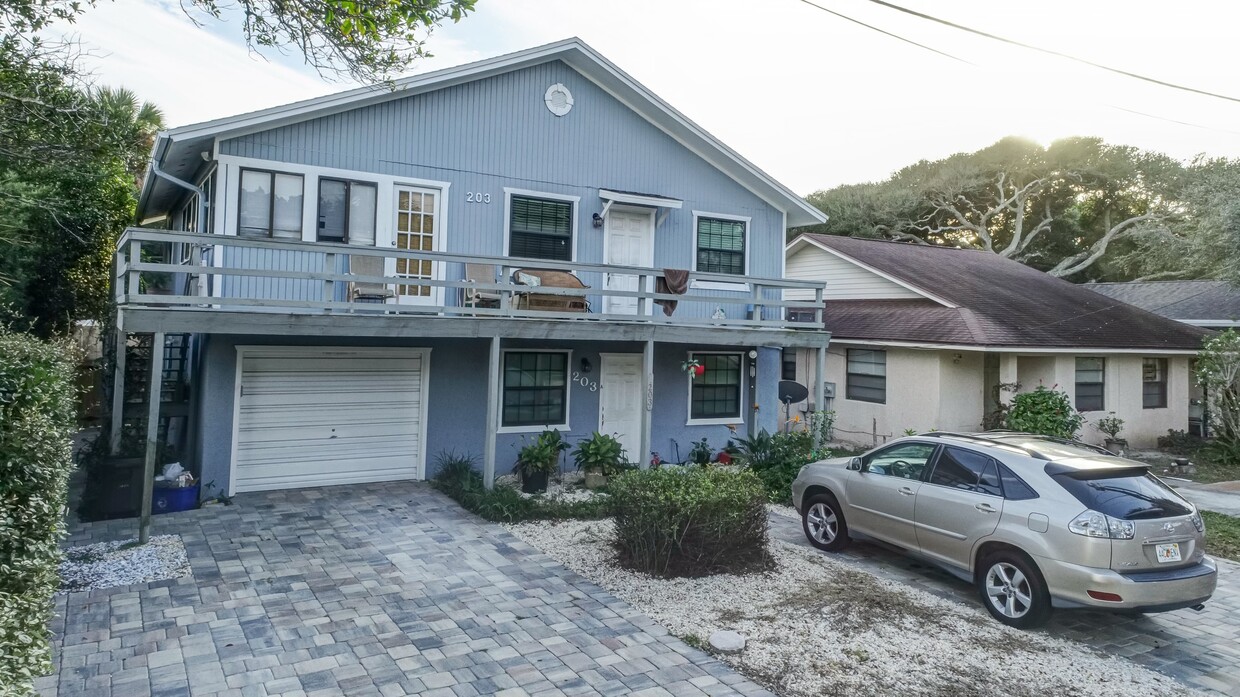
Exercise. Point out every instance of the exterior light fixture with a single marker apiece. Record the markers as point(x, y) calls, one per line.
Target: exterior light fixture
point(598, 220)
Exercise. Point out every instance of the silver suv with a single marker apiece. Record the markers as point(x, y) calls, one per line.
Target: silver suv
point(1033, 522)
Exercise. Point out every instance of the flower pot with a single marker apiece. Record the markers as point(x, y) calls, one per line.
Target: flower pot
point(1116, 445)
point(534, 482)
point(595, 479)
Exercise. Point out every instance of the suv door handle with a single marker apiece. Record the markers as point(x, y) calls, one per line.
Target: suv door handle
point(906, 491)
point(985, 508)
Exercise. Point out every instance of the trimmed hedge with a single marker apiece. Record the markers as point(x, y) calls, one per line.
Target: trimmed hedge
point(690, 521)
point(37, 413)
point(458, 477)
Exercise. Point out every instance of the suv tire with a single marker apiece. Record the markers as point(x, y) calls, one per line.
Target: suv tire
point(823, 522)
point(1012, 589)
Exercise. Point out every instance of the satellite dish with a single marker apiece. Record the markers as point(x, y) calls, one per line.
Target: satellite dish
point(791, 392)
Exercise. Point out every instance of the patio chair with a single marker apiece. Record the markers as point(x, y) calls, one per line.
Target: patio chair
point(473, 297)
point(361, 290)
point(533, 300)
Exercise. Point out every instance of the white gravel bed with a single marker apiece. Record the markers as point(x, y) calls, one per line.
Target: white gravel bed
point(817, 626)
point(123, 563)
point(565, 488)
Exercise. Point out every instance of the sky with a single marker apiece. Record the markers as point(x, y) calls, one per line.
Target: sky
point(815, 100)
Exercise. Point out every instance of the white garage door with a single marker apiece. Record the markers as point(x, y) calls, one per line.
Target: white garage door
point(314, 416)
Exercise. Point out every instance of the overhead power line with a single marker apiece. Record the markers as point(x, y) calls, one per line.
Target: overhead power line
point(883, 31)
point(1047, 51)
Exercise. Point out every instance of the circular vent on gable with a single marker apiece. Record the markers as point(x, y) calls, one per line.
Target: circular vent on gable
point(558, 99)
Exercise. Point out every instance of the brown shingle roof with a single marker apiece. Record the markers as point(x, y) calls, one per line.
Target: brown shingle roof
point(1183, 300)
point(1001, 303)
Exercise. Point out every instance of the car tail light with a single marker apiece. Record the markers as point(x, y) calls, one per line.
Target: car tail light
point(1198, 522)
point(1095, 524)
point(1109, 597)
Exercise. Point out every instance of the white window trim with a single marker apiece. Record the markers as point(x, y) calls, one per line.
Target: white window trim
point(509, 192)
point(720, 285)
point(716, 421)
point(568, 393)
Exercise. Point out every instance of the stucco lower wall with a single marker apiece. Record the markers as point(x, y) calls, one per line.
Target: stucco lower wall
point(1123, 390)
point(913, 396)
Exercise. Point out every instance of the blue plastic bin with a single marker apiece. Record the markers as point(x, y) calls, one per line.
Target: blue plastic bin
point(168, 499)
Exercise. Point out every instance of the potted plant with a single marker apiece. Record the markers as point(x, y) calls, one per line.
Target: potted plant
point(599, 457)
point(538, 460)
point(1112, 425)
point(700, 453)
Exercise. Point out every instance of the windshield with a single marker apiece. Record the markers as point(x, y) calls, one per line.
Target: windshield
point(1127, 497)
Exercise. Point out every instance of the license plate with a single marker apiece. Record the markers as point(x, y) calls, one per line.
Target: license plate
point(1167, 553)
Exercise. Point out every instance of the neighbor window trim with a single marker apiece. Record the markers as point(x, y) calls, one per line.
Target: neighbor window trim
point(740, 400)
point(1076, 383)
point(848, 376)
point(1164, 367)
point(348, 209)
point(739, 285)
point(568, 393)
point(575, 201)
point(271, 209)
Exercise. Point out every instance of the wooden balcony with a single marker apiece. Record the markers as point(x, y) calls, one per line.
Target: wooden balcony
point(236, 284)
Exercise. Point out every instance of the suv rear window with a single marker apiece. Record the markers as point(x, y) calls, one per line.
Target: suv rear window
point(1126, 495)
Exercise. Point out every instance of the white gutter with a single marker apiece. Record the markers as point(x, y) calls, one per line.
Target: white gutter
point(202, 195)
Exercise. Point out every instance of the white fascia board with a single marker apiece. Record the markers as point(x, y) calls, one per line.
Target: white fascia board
point(1210, 323)
point(1081, 351)
point(639, 200)
point(882, 274)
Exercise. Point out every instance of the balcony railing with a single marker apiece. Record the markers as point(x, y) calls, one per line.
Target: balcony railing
point(265, 275)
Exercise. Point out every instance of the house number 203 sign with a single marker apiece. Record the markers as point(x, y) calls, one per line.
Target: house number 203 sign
point(585, 381)
point(477, 197)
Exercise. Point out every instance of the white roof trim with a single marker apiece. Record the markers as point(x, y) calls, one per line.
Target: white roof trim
point(789, 251)
point(639, 200)
point(1082, 351)
point(594, 67)
point(1207, 323)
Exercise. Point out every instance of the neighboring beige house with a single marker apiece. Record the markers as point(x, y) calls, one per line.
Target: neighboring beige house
point(922, 337)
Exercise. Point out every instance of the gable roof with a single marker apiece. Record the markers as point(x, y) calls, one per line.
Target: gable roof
point(1202, 303)
point(177, 150)
point(977, 298)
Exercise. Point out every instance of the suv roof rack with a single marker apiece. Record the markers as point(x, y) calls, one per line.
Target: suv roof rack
point(1055, 439)
point(980, 438)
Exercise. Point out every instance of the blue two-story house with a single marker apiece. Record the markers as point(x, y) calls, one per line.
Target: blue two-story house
point(527, 242)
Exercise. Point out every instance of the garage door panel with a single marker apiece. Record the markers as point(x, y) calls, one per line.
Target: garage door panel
point(317, 418)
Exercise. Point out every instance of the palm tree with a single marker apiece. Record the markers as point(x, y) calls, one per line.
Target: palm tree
point(132, 123)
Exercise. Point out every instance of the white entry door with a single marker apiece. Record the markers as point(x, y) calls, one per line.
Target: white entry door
point(630, 242)
point(416, 229)
point(620, 401)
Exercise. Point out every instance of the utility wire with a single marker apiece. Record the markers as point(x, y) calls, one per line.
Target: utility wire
point(1048, 51)
point(887, 33)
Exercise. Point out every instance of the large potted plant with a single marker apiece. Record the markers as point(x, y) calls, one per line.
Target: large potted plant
point(599, 457)
point(1112, 426)
point(539, 460)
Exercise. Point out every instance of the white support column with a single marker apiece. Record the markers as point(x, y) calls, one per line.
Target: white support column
point(643, 458)
point(492, 425)
point(118, 387)
point(152, 434)
point(1009, 375)
point(820, 387)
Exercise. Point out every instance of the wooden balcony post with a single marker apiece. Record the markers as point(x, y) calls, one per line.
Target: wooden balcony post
point(492, 424)
point(643, 303)
point(118, 387)
point(643, 458)
point(820, 389)
point(329, 286)
point(757, 301)
point(152, 434)
point(818, 307)
point(135, 257)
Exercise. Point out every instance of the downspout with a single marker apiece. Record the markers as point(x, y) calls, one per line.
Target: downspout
point(202, 196)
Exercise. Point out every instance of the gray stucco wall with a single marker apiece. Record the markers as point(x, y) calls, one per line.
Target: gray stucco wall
point(456, 411)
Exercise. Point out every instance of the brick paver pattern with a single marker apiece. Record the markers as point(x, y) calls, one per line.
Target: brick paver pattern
point(384, 589)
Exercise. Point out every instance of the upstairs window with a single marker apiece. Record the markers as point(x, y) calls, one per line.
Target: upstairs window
point(1154, 383)
point(347, 212)
point(1090, 384)
point(866, 379)
point(270, 205)
point(540, 228)
point(721, 246)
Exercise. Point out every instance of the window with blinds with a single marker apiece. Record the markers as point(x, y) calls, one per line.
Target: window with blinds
point(1153, 383)
point(866, 378)
point(540, 228)
point(1090, 384)
point(721, 246)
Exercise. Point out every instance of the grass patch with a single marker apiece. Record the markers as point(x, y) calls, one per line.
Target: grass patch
point(1209, 472)
point(459, 479)
point(1222, 535)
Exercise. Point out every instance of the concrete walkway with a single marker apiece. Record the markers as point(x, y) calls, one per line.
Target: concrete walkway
point(1201, 649)
point(1223, 497)
point(385, 589)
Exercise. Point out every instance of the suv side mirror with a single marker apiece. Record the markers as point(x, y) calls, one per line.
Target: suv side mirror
point(855, 464)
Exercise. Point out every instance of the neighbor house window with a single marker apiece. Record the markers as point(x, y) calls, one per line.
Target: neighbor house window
point(1090, 384)
point(721, 246)
point(1154, 383)
point(866, 376)
point(270, 205)
point(347, 212)
point(716, 393)
point(535, 388)
point(540, 228)
point(788, 367)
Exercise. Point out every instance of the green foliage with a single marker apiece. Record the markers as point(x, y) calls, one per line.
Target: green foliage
point(458, 477)
point(1045, 412)
point(822, 426)
point(701, 453)
point(37, 412)
point(1111, 425)
point(543, 455)
point(1218, 370)
point(690, 521)
point(777, 459)
point(600, 452)
point(1180, 442)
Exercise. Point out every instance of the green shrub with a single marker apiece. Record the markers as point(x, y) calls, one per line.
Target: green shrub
point(37, 412)
point(777, 459)
point(600, 452)
point(1045, 412)
point(458, 477)
point(690, 521)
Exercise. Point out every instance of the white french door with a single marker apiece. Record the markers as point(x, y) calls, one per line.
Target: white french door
point(417, 229)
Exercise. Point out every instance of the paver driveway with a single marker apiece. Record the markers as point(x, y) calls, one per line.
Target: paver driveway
point(384, 589)
point(1201, 649)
